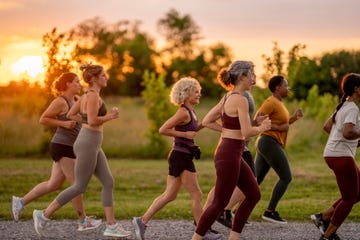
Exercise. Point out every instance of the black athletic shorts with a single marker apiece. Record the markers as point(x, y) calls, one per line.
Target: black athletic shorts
point(58, 151)
point(180, 161)
point(248, 158)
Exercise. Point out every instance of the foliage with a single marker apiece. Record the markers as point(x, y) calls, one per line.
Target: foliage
point(121, 48)
point(273, 64)
point(158, 110)
point(185, 57)
point(319, 107)
point(59, 57)
point(181, 34)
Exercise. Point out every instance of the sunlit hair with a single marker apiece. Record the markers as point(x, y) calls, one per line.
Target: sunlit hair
point(90, 71)
point(228, 77)
point(348, 84)
point(275, 81)
point(182, 88)
point(59, 85)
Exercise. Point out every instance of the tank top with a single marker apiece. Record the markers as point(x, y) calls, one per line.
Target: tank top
point(63, 135)
point(227, 121)
point(179, 142)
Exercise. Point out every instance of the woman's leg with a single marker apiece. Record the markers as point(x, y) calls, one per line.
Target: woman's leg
point(67, 166)
point(55, 182)
point(103, 173)
point(248, 185)
point(227, 175)
point(191, 184)
point(347, 177)
point(271, 154)
point(173, 186)
point(86, 148)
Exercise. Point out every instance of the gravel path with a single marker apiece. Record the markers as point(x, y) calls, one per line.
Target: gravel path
point(175, 230)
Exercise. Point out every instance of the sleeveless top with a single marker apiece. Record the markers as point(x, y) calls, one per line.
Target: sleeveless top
point(63, 135)
point(101, 112)
point(179, 142)
point(227, 121)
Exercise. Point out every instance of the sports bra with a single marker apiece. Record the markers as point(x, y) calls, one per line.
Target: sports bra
point(101, 112)
point(228, 121)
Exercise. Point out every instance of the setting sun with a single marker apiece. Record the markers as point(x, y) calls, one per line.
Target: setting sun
point(31, 65)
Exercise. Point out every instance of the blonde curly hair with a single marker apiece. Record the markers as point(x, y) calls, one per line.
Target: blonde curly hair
point(182, 88)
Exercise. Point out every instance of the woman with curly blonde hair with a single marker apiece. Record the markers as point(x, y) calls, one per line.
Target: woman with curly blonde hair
point(182, 126)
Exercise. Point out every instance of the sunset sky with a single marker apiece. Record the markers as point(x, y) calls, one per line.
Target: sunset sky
point(247, 27)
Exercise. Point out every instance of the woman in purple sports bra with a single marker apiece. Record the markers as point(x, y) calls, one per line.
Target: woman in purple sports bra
point(183, 127)
point(231, 169)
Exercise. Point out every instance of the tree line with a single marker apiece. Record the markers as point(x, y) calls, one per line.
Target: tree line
point(127, 52)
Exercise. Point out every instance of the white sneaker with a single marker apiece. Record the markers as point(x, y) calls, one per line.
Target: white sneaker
point(88, 223)
point(16, 208)
point(39, 222)
point(212, 236)
point(116, 230)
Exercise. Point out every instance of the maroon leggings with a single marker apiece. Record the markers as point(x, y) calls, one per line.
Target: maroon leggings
point(231, 171)
point(348, 179)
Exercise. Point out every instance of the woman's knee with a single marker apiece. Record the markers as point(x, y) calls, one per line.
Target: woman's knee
point(253, 196)
point(108, 183)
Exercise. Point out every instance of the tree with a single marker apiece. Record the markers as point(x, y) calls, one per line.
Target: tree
point(124, 50)
point(60, 57)
point(158, 109)
point(274, 65)
point(185, 57)
point(181, 34)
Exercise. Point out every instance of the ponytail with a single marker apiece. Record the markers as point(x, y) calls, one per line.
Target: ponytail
point(343, 99)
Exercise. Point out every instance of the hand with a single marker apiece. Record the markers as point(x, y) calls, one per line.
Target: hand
point(299, 113)
point(265, 125)
point(69, 124)
point(114, 113)
point(260, 118)
point(190, 134)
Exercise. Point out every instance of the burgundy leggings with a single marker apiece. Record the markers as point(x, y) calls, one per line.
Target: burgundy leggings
point(231, 171)
point(348, 179)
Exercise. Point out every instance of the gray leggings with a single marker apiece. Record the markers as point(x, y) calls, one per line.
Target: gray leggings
point(269, 153)
point(90, 159)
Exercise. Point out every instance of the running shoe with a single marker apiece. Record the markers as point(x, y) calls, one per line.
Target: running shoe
point(88, 223)
point(321, 224)
point(140, 228)
point(39, 222)
point(225, 218)
point(334, 236)
point(116, 230)
point(16, 208)
point(273, 216)
point(212, 236)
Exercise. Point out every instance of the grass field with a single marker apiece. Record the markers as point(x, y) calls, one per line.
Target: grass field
point(138, 182)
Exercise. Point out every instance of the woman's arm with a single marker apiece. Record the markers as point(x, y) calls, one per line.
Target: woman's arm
point(210, 120)
point(49, 116)
point(296, 116)
point(181, 117)
point(246, 128)
point(328, 125)
point(74, 112)
point(92, 109)
point(350, 132)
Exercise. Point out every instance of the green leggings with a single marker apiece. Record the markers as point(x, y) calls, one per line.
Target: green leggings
point(269, 153)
